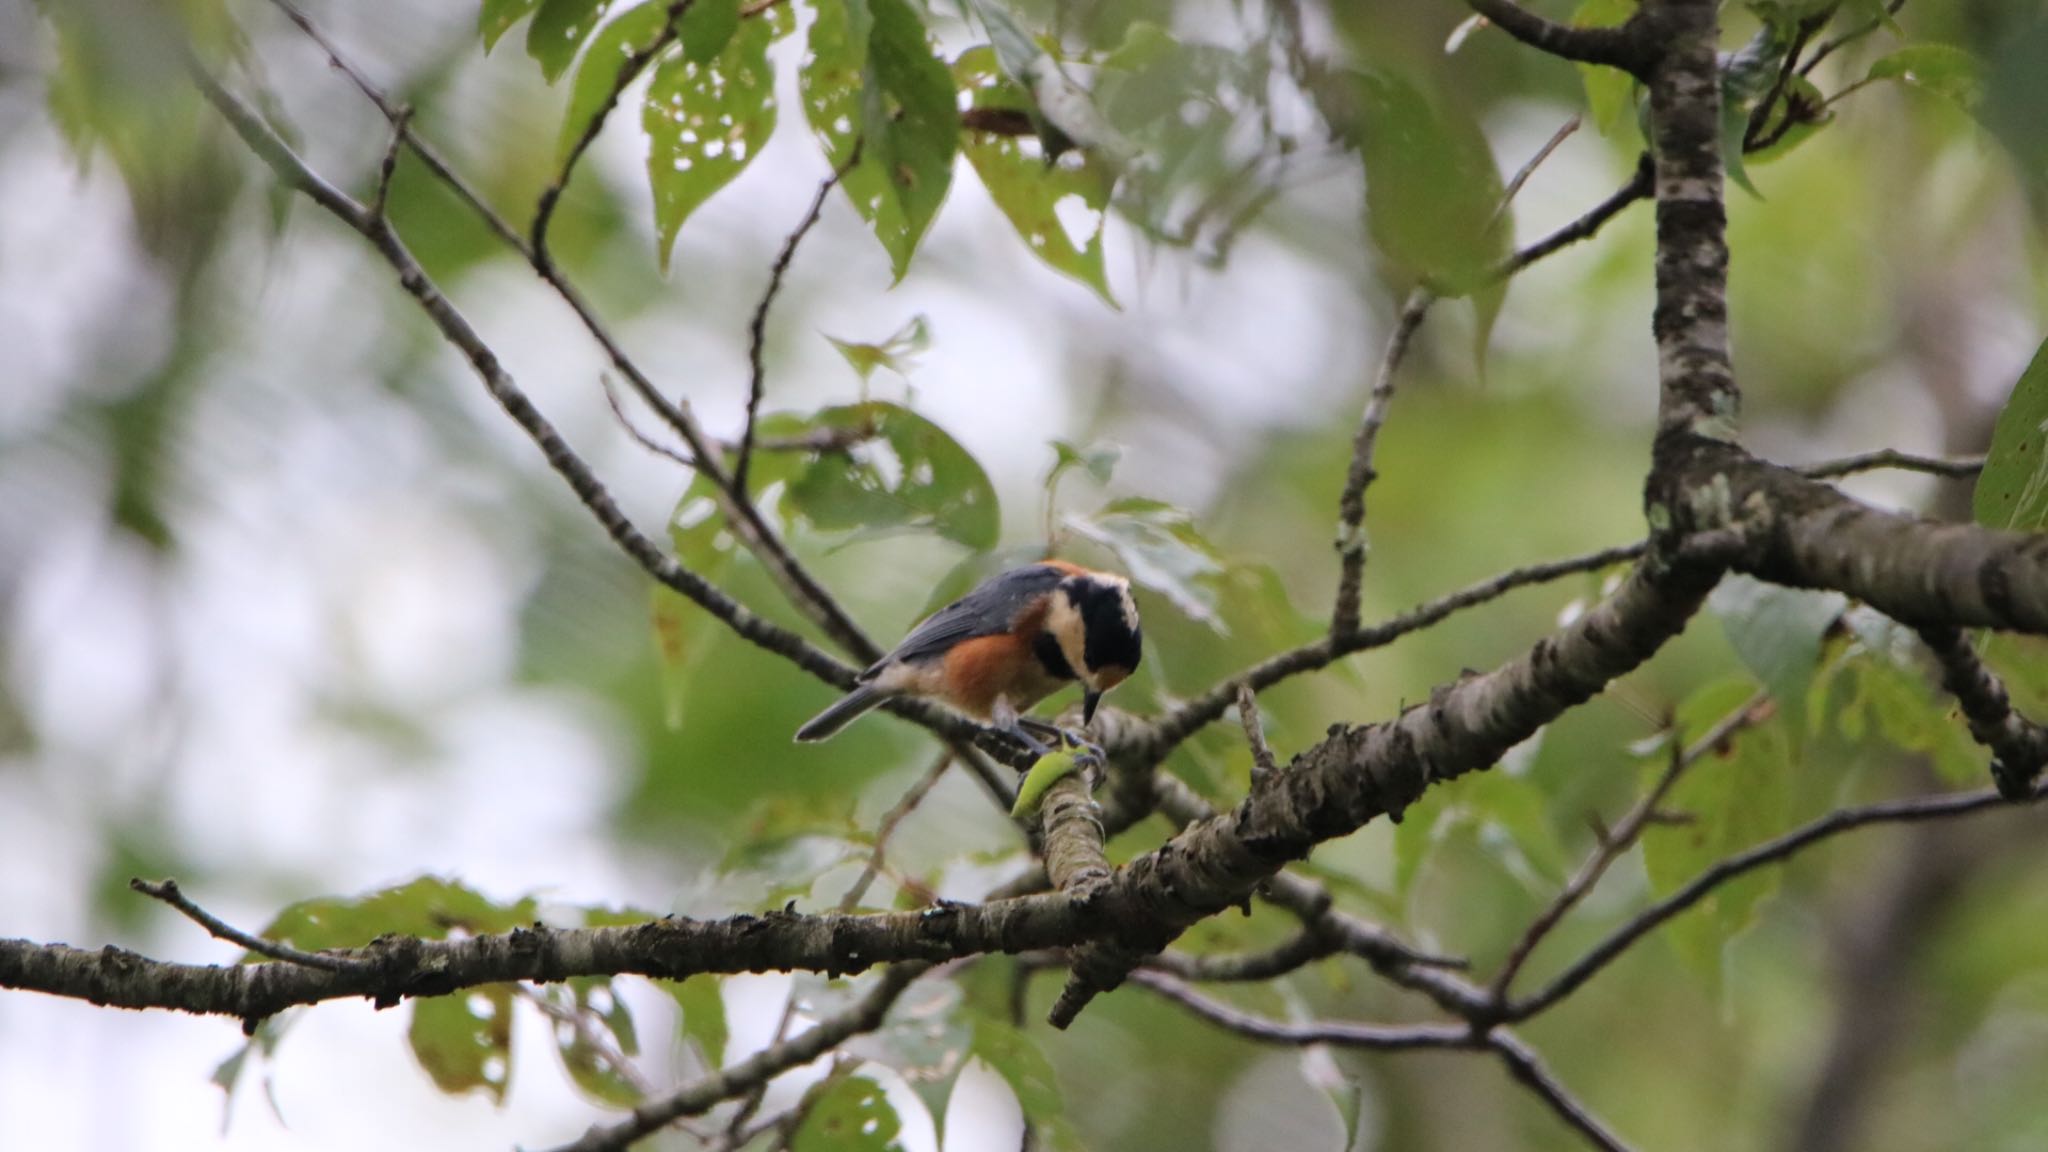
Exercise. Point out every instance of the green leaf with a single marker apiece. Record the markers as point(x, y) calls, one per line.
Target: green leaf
point(1432, 191)
point(559, 29)
point(707, 27)
point(703, 1010)
point(1158, 546)
point(428, 907)
point(617, 42)
point(1777, 632)
point(1012, 1054)
point(898, 353)
point(706, 121)
point(925, 1039)
point(464, 1040)
point(1059, 210)
point(909, 475)
point(582, 1049)
point(1734, 798)
point(1610, 92)
point(2012, 491)
point(1891, 690)
point(1943, 69)
point(702, 544)
point(1097, 460)
point(851, 1114)
point(872, 82)
point(1803, 100)
point(498, 16)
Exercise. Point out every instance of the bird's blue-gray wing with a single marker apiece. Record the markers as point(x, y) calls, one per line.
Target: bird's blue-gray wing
point(987, 610)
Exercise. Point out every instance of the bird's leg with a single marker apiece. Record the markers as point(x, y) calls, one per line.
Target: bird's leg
point(1065, 737)
point(1004, 719)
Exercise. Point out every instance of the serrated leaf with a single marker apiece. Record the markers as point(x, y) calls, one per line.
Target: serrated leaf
point(1776, 631)
point(429, 907)
point(2012, 490)
point(464, 1040)
point(851, 1114)
point(1942, 69)
point(598, 74)
point(1058, 209)
point(1017, 1059)
point(909, 474)
point(872, 82)
point(1433, 193)
point(558, 31)
point(498, 16)
point(706, 121)
point(1736, 797)
point(1610, 92)
point(703, 1010)
point(1158, 546)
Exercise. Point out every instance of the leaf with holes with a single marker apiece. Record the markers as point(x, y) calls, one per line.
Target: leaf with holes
point(558, 31)
point(1942, 69)
point(1058, 209)
point(871, 81)
point(1738, 796)
point(909, 475)
point(498, 16)
point(1012, 1054)
point(706, 121)
point(597, 77)
point(428, 907)
point(1158, 546)
point(924, 1039)
point(593, 1029)
point(2012, 491)
point(464, 1040)
point(849, 1114)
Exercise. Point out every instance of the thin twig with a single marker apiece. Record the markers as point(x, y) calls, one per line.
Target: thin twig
point(757, 338)
point(1352, 542)
point(1381, 1037)
point(1948, 467)
point(611, 397)
point(1753, 133)
point(590, 1036)
point(1527, 1070)
point(1263, 766)
point(168, 892)
point(1302, 948)
point(1522, 174)
point(701, 1095)
point(1830, 47)
point(1623, 835)
point(1637, 188)
point(903, 808)
point(389, 167)
point(1912, 810)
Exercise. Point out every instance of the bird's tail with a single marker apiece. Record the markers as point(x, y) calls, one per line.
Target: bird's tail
point(840, 714)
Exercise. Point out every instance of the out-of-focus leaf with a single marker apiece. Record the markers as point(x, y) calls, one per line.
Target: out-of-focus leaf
point(706, 120)
point(707, 27)
point(1158, 546)
point(1432, 191)
point(598, 74)
point(1610, 92)
point(1097, 460)
point(703, 1010)
point(1777, 632)
point(1734, 798)
point(607, 1027)
point(1059, 210)
point(925, 1040)
point(428, 907)
point(1803, 100)
point(1017, 1059)
point(262, 1045)
point(2012, 491)
point(558, 31)
point(897, 352)
point(498, 16)
point(1505, 810)
point(872, 82)
point(1942, 69)
point(851, 1114)
point(1889, 689)
point(702, 543)
point(910, 474)
point(464, 1040)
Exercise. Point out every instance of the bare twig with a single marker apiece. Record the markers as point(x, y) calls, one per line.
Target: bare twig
point(1528, 1071)
point(1352, 542)
point(1770, 852)
point(590, 1036)
point(1830, 47)
point(1622, 46)
point(757, 338)
point(903, 807)
point(701, 1095)
point(611, 397)
point(1382, 1037)
point(1637, 188)
point(1947, 467)
point(1619, 839)
point(168, 892)
point(389, 167)
point(1263, 766)
point(1302, 948)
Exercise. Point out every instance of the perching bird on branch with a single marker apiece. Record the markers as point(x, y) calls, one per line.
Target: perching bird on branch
point(1016, 639)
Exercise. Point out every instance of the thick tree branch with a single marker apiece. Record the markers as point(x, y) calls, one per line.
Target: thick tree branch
point(1624, 47)
point(2018, 746)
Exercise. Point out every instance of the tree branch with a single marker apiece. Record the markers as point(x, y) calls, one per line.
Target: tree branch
point(1528, 1071)
point(1377, 1037)
point(1352, 545)
point(1623, 47)
point(2018, 746)
point(168, 892)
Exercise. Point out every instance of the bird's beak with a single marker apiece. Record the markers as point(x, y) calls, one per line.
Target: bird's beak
point(1088, 703)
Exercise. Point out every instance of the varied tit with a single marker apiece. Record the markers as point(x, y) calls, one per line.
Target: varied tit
point(1013, 641)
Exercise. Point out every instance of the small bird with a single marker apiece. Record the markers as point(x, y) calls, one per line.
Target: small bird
point(1016, 639)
